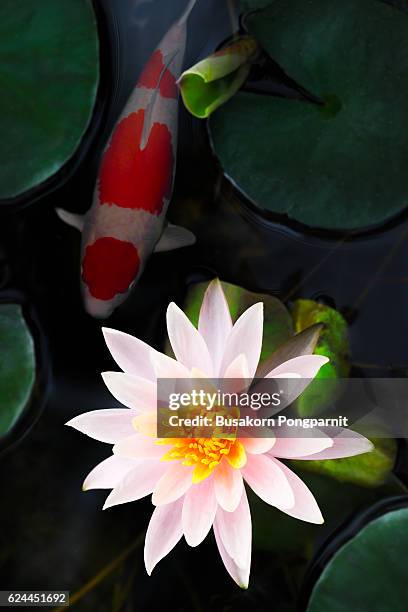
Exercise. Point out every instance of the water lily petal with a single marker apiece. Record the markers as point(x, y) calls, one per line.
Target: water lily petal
point(108, 426)
point(289, 447)
point(136, 484)
point(236, 377)
point(215, 322)
point(130, 353)
point(302, 343)
point(166, 367)
point(163, 533)
point(108, 473)
point(347, 444)
point(305, 366)
point(245, 338)
point(268, 481)
point(146, 424)
point(228, 485)
point(174, 483)
point(187, 343)
point(305, 507)
point(238, 574)
point(235, 531)
point(258, 446)
point(301, 371)
point(139, 447)
point(132, 391)
point(199, 510)
point(238, 368)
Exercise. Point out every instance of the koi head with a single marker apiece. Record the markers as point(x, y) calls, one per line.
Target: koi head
point(110, 268)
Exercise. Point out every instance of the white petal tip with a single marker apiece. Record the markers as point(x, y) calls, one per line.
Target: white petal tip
point(72, 423)
point(318, 520)
point(149, 567)
point(191, 543)
point(157, 501)
point(106, 331)
point(110, 502)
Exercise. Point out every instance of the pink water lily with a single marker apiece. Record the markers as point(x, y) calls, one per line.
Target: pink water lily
point(197, 484)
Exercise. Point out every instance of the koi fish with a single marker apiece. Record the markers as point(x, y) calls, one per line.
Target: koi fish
point(127, 220)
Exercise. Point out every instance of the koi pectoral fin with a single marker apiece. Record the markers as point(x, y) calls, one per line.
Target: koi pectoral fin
point(174, 237)
point(71, 219)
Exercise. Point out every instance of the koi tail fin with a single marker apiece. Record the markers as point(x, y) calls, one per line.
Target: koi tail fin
point(187, 12)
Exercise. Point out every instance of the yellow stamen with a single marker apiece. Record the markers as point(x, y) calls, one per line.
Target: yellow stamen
point(205, 454)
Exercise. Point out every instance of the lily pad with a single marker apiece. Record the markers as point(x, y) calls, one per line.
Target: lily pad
point(335, 165)
point(367, 470)
point(49, 73)
point(333, 343)
point(17, 365)
point(369, 572)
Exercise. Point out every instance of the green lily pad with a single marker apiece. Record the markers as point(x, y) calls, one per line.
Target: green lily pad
point(367, 470)
point(369, 572)
point(17, 365)
point(341, 164)
point(49, 73)
point(333, 343)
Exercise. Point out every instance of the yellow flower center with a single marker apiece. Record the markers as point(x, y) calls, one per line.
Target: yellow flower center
point(205, 454)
